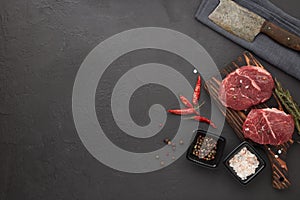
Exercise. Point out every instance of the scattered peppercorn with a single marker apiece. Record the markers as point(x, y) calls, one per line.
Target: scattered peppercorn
point(167, 141)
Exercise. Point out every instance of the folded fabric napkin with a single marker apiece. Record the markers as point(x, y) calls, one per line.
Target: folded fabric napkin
point(286, 59)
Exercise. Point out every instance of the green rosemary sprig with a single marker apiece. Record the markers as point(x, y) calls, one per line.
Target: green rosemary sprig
point(289, 104)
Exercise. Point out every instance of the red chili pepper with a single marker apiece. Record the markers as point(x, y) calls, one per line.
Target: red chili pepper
point(197, 90)
point(185, 111)
point(204, 119)
point(185, 101)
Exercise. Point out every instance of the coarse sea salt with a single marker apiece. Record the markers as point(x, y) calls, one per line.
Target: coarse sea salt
point(244, 163)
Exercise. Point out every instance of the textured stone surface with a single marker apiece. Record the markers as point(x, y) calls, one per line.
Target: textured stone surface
point(42, 44)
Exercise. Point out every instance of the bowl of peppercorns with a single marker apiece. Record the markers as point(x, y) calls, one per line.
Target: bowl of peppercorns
point(206, 149)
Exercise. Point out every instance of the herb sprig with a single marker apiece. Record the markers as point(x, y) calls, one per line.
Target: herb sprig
point(289, 104)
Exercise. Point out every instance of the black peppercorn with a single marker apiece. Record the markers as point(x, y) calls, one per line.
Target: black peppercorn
point(205, 148)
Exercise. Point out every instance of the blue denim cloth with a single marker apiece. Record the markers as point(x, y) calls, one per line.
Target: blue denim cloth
point(285, 59)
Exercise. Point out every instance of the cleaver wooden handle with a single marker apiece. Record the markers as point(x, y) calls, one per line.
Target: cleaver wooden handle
point(281, 36)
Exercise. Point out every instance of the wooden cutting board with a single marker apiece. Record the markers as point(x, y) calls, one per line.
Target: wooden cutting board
point(276, 154)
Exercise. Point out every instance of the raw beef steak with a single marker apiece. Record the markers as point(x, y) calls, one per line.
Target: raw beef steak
point(268, 126)
point(245, 87)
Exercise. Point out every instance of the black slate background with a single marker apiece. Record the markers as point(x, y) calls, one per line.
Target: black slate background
point(42, 44)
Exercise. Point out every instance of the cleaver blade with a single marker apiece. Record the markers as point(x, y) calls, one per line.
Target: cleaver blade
point(247, 25)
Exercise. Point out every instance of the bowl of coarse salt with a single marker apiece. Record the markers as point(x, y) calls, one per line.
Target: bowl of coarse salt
point(244, 163)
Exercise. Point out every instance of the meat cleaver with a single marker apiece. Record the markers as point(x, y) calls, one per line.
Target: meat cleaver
point(247, 25)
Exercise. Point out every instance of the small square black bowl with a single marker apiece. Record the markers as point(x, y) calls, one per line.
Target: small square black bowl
point(260, 167)
point(219, 151)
